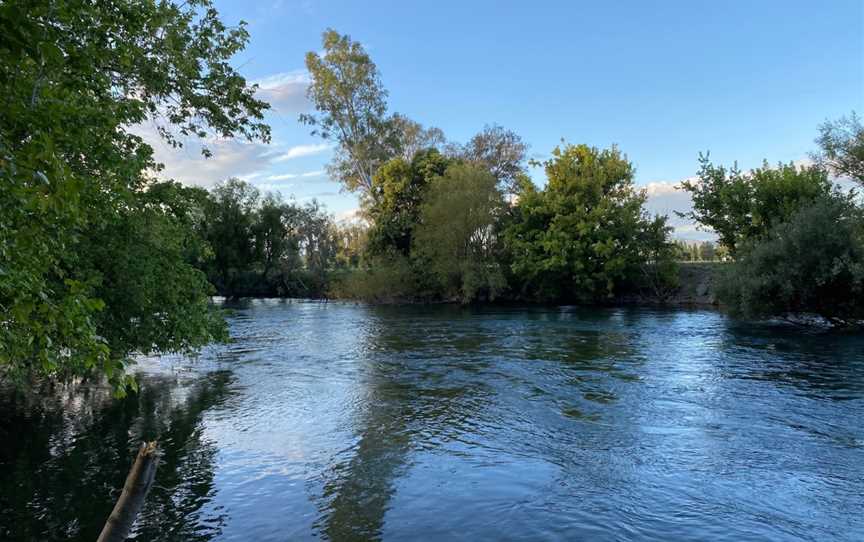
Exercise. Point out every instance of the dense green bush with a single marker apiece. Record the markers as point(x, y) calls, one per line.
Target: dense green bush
point(814, 263)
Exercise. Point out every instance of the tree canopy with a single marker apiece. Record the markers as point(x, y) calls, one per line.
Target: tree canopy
point(74, 77)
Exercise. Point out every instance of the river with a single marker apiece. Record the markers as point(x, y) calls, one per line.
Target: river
point(351, 422)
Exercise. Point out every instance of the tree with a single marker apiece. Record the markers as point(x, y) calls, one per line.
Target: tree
point(500, 151)
point(230, 230)
point(414, 138)
point(351, 106)
point(707, 251)
point(842, 144)
point(578, 238)
point(74, 75)
point(397, 193)
point(812, 263)
point(270, 232)
point(743, 207)
point(457, 233)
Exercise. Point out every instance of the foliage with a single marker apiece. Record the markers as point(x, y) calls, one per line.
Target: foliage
point(579, 238)
point(265, 246)
point(397, 193)
point(457, 233)
point(74, 76)
point(742, 207)
point(500, 151)
point(842, 147)
point(387, 279)
point(812, 263)
point(229, 228)
point(351, 107)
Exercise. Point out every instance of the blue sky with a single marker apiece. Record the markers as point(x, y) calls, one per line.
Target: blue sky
point(663, 80)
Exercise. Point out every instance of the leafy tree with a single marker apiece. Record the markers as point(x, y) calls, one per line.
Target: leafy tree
point(230, 230)
point(351, 110)
point(414, 138)
point(457, 233)
point(74, 75)
point(842, 144)
point(397, 193)
point(270, 232)
point(351, 106)
point(579, 238)
point(812, 263)
point(151, 290)
point(499, 150)
point(743, 207)
point(351, 242)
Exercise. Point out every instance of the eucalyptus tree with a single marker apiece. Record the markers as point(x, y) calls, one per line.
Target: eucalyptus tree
point(351, 110)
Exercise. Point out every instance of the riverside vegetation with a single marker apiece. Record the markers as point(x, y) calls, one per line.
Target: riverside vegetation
point(100, 260)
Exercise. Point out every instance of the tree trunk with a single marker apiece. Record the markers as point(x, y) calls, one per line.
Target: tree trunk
point(138, 483)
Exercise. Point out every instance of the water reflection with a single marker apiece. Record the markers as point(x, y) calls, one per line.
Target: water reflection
point(348, 422)
point(65, 458)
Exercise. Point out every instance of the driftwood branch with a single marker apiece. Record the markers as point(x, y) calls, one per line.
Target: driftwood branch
point(138, 483)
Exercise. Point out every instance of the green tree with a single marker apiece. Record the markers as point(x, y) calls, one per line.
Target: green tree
point(397, 193)
point(842, 147)
point(812, 263)
point(579, 238)
point(500, 151)
point(743, 207)
point(458, 236)
point(74, 75)
point(270, 232)
point(351, 109)
point(230, 230)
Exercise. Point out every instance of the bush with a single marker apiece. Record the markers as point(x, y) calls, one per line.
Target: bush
point(814, 263)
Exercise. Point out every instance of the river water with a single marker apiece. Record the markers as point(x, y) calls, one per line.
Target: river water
point(349, 422)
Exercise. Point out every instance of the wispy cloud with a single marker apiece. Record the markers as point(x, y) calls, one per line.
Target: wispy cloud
point(288, 176)
point(285, 92)
point(299, 151)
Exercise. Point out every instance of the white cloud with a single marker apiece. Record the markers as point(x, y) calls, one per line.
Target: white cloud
point(299, 151)
point(667, 197)
point(288, 176)
point(230, 158)
point(285, 92)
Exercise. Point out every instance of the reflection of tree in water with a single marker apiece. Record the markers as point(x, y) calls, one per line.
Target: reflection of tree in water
point(64, 460)
point(404, 401)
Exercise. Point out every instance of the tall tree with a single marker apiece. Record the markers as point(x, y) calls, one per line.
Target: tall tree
point(351, 109)
point(74, 75)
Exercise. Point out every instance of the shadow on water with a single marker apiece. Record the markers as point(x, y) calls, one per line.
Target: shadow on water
point(64, 460)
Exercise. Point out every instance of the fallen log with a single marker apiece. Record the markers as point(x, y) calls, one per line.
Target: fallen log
point(138, 483)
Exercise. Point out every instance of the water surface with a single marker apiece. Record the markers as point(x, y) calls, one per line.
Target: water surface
point(349, 422)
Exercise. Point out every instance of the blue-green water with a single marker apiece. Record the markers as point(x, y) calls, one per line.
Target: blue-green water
point(348, 422)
